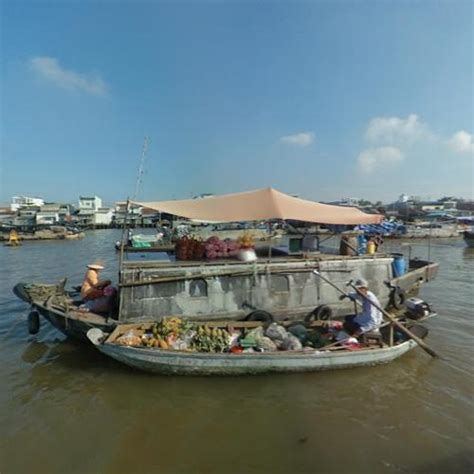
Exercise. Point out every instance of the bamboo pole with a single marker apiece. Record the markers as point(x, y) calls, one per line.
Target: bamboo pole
point(121, 258)
point(249, 272)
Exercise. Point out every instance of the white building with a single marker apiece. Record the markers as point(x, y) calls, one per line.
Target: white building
point(103, 216)
point(47, 218)
point(25, 201)
point(49, 214)
point(89, 203)
point(88, 207)
point(133, 215)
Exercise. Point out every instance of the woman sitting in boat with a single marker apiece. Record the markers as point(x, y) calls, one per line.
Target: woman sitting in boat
point(370, 318)
point(98, 295)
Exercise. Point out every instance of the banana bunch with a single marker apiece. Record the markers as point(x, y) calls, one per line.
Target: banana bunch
point(210, 339)
point(151, 340)
point(173, 326)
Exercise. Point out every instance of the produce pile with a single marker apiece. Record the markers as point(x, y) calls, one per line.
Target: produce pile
point(246, 241)
point(217, 248)
point(174, 333)
point(191, 248)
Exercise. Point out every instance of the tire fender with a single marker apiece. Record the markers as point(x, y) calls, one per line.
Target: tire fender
point(33, 322)
point(322, 312)
point(398, 298)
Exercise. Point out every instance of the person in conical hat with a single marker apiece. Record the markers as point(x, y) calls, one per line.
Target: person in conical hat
point(92, 288)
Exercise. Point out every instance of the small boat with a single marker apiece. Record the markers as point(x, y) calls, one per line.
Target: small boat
point(176, 362)
point(165, 248)
point(61, 308)
point(13, 239)
point(469, 237)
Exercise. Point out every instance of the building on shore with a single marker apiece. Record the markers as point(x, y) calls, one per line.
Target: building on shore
point(134, 215)
point(88, 207)
point(104, 216)
point(26, 216)
point(19, 202)
point(6, 216)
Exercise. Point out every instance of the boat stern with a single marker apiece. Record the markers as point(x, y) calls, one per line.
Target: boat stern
point(419, 272)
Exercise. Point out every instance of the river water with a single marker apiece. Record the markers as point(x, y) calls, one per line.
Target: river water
point(64, 407)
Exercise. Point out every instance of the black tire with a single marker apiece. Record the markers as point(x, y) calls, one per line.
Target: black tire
point(320, 313)
point(398, 298)
point(33, 322)
point(260, 315)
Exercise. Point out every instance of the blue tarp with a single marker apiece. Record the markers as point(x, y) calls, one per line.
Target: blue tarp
point(384, 228)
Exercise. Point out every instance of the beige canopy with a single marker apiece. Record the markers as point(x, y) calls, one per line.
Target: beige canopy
point(262, 204)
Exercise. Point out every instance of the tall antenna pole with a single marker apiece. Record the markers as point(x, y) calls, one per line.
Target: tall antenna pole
point(141, 167)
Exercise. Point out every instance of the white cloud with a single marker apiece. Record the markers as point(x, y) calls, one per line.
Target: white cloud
point(462, 142)
point(49, 68)
point(372, 158)
point(299, 139)
point(396, 130)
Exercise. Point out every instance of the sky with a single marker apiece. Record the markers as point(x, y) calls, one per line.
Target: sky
point(324, 99)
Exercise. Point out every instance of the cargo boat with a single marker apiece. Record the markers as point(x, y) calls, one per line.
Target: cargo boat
point(176, 362)
point(269, 288)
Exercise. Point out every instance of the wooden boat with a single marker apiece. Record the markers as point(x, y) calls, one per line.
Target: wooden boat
point(469, 238)
point(12, 244)
point(154, 248)
point(61, 309)
point(283, 287)
point(174, 362)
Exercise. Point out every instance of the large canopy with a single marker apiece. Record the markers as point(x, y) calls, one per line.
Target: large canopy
point(262, 204)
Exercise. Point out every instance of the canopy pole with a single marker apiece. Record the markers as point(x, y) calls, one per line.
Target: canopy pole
point(122, 248)
point(269, 228)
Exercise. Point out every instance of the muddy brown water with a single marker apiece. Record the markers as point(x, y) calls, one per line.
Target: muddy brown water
point(64, 407)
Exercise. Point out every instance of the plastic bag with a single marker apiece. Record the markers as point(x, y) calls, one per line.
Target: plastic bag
point(291, 343)
point(300, 331)
point(266, 344)
point(256, 333)
point(129, 339)
point(179, 345)
point(276, 332)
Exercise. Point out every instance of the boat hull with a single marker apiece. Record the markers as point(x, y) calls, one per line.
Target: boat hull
point(71, 325)
point(191, 363)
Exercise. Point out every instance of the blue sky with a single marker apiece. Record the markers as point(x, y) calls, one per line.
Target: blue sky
point(324, 99)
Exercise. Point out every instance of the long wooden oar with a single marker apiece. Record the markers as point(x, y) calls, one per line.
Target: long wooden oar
point(402, 328)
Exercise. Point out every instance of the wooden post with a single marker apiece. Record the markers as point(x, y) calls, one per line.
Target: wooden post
point(122, 247)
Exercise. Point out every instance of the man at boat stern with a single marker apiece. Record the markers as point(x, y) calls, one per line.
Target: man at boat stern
point(370, 318)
